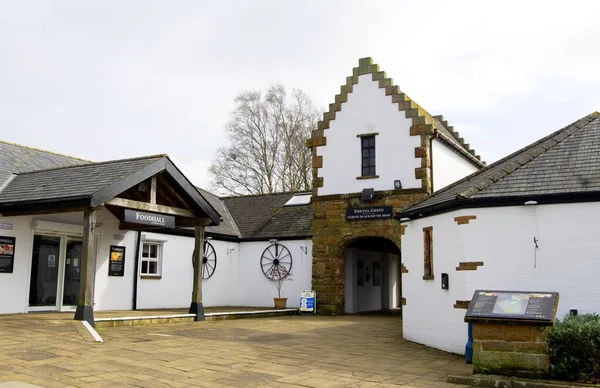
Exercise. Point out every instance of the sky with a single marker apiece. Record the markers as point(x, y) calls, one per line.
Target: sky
point(116, 79)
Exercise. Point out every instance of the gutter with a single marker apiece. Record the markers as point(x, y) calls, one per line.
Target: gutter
point(458, 204)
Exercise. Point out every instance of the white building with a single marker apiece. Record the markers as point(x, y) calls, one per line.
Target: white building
point(528, 222)
point(138, 265)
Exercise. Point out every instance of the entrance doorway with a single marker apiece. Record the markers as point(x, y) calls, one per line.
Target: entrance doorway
point(372, 275)
point(55, 272)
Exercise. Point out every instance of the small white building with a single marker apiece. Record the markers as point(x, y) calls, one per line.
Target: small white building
point(528, 222)
point(144, 262)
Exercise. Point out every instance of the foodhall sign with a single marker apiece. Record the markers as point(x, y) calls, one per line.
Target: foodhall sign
point(153, 219)
point(369, 213)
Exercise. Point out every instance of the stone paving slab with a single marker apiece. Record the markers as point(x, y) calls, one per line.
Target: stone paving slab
point(292, 351)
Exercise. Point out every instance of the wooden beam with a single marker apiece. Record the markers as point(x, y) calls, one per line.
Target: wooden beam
point(153, 190)
point(196, 305)
point(189, 222)
point(150, 207)
point(85, 303)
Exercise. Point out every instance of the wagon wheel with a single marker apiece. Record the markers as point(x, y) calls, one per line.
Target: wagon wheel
point(209, 260)
point(276, 262)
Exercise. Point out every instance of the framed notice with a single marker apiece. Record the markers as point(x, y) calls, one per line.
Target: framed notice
point(513, 305)
point(7, 254)
point(116, 266)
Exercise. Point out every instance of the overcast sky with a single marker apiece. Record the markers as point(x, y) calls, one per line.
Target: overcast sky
point(115, 79)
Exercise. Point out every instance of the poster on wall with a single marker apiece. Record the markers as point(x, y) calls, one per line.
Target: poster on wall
point(117, 261)
point(7, 254)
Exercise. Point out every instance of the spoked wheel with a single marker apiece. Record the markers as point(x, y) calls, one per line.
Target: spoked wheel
point(209, 260)
point(276, 262)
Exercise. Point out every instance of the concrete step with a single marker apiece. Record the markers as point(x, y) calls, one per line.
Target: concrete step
point(179, 318)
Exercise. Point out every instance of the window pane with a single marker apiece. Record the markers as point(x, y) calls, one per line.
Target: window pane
point(372, 162)
point(371, 152)
point(145, 250)
point(372, 171)
point(154, 251)
point(365, 153)
point(365, 141)
point(144, 267)
point(372, 141)
point(153, 267)
point(365, 171)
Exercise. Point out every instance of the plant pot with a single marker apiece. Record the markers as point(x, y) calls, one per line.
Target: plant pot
point(280, 303)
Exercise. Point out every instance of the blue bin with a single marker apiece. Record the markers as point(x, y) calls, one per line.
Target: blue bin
point(469, 347)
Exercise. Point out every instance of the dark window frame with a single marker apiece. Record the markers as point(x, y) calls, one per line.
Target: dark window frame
point(368, 156)
point(428, 253)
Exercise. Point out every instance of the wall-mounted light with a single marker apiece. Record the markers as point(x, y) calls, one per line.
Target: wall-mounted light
point(397, 184)
point(367, 195)
point(207, 238)
point(273, 240)
point(404, 219)
point(530, 203)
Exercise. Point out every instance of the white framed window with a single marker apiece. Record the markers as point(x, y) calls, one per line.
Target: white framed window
point(151, 262)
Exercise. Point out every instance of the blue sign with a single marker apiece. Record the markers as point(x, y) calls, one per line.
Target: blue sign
point(308, 302)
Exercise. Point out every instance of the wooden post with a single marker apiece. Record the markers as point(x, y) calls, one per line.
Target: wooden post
point(196, 306)
point(85, 304)
point(153, 190)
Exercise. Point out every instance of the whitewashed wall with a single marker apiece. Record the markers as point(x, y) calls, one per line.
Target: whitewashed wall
point(448, 166)
point(110, 292)
point(237, 281)
point(567, 261)
point(256, 290)
point(368, 110)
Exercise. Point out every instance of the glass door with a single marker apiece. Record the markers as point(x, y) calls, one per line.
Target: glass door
point(72, 273)
point(43, 286)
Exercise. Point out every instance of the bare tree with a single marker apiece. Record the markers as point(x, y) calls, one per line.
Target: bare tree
point(267, 152)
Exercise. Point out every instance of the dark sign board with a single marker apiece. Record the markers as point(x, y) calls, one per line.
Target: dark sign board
point(154, 219)
point(369, 213)
point(516, 305)
point(7, 254)
point(117, 261)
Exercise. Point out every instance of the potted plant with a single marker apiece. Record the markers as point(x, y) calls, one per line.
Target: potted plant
point(278, 275)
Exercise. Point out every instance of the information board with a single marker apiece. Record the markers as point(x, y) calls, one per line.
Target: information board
point(308, 301)
point(117, 261)
point(526, 305)
point(7, 254)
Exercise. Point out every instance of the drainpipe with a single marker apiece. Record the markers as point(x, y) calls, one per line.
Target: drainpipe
point(135, 271)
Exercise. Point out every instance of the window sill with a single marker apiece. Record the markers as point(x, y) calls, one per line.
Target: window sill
point(368, 177)
point(428, 277)
point(151, 277)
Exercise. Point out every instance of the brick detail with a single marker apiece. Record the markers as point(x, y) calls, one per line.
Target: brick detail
point(403, 268)
point(421, 152)
point(422, 129)
point(332, 233)
point(469, 265)
point(402, 229)
point(317, 161)
point(518, 350)
point(461, 220)
point(318, 182)
point(462, 304)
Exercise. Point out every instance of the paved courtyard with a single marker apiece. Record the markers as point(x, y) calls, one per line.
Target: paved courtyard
point(49, 350)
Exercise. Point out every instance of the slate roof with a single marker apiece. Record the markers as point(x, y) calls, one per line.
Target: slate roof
point(566, 162)
point(72, 181)
point(264, 216)
point(227, 227)
point(16, 158)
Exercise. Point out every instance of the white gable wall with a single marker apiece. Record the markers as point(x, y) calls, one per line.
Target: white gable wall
point(368, 110)
point(567, 261)
point(448, 165)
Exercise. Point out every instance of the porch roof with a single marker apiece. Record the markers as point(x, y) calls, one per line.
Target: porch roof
point(93, 184)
